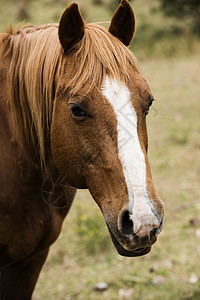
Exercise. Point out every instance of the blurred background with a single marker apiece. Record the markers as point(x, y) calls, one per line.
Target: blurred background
point(167, 45)
point(164, 27)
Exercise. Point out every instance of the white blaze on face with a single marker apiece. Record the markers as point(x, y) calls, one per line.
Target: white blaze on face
point(132, 158)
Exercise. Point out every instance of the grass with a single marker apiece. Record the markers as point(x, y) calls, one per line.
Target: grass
point(84, 254)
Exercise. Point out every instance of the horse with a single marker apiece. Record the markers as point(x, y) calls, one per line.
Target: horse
point(73, 107)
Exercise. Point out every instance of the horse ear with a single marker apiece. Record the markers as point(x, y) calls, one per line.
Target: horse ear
point(71, 27)
point(123, 23)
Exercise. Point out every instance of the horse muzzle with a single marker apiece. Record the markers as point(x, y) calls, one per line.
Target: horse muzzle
point(127, 242)
point(129, 253)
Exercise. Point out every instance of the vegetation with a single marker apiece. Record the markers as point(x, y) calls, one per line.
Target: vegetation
point(84, 254)
point(184, 9)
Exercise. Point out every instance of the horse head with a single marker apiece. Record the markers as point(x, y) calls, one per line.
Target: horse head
point(98, 131)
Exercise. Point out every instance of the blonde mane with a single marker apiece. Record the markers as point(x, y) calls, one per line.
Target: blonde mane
point(36, 55)
point(98, 54)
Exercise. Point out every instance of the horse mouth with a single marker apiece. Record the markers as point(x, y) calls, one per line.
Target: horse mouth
point(123, 252)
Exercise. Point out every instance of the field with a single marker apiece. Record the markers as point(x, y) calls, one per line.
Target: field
point(84, 254)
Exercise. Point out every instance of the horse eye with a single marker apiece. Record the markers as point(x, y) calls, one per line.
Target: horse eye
point(77, 111)
point(149, 105)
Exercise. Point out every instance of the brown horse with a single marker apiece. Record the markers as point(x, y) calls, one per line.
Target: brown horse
point(73, 108)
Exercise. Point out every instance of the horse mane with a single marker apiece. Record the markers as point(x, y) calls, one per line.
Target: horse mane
point(99, 54)
point(36, 54)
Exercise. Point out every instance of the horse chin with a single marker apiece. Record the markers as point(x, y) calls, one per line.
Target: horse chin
point(138, 252)
point(123, 252)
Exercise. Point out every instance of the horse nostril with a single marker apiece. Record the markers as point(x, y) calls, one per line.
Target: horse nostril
point(155, 231)
point(126, 224)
